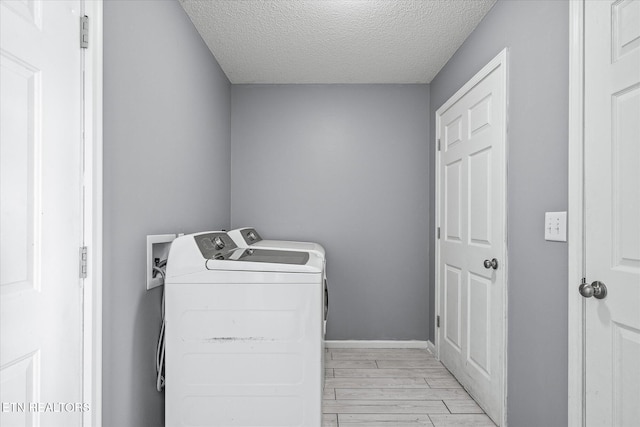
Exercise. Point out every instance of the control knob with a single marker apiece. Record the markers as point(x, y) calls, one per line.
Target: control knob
point(218, 242)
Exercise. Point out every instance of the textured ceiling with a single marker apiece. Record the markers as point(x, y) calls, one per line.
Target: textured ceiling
point(334, 41)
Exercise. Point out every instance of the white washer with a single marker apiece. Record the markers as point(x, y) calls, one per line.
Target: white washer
point(248, 237)
point(243, 334)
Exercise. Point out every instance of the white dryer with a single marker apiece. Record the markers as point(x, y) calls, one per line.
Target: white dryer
point(248, 237)
point(243, 334)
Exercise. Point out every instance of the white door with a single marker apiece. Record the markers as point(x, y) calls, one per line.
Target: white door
point(471, 128)
point(40, 173)
point(612, 211)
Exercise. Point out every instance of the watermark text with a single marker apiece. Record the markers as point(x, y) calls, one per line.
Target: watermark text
point(23, 407)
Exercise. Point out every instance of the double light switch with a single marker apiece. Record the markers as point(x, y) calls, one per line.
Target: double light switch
point(555, 226)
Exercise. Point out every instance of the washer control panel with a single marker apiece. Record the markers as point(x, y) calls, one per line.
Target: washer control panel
point(214, 244)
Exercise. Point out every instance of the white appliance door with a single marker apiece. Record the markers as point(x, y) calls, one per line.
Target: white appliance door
point(40, 172)
point(612, 211)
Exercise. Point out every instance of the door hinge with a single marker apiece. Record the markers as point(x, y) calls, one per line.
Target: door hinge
point(84, 32)
point(83, 262)
point(438, 321)
point(438, 144)
point(438, 233)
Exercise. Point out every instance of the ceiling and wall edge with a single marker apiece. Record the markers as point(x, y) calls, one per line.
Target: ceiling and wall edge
point(331, 41)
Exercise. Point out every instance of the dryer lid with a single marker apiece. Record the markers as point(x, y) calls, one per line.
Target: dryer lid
point(215, 251)
point(221, 253)
point(248, 259)
point(249, 237)
point(264, 255)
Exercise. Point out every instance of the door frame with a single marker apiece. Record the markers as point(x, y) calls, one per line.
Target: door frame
point(575, 241)
point(92, 216)
point(500, 60)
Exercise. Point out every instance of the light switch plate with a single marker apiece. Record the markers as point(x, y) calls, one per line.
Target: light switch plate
point(555, 226)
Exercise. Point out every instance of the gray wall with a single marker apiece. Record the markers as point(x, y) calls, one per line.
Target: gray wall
point(166, 169)
point(344, 166)
point(537, 35)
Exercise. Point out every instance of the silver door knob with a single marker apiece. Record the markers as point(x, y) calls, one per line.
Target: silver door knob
point(491, 264)
point(596, 289)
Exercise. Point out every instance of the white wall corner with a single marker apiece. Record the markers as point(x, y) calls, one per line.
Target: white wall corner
point(432, 348)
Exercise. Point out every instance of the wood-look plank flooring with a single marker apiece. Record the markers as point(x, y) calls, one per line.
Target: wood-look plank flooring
point(394, 388)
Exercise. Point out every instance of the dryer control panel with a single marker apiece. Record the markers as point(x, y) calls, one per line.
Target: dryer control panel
point(250, 236)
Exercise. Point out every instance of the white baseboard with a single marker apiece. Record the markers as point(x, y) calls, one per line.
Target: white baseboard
point(376, 344)
point(431, 347)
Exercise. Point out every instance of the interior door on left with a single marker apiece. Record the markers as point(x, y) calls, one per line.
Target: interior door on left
point(472, 278)
point(41, 207)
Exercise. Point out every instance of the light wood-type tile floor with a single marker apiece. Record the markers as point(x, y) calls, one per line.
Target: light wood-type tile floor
point(394, 388)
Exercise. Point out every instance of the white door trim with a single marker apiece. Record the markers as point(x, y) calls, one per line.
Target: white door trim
point(92, 319)
point(500, 60)
point(576, 214)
